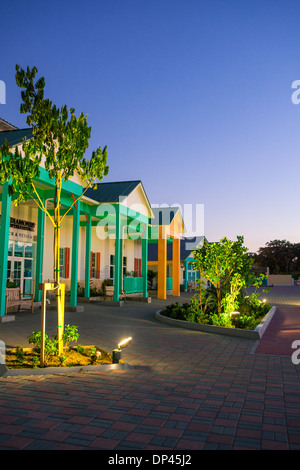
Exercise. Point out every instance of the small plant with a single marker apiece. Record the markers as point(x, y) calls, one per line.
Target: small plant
point(20, 355)
point(95, 355)
point(70, 334)
point(35, 338)
point(35, 361)
point(50, 346)
point(62, 359)
point(80, 349)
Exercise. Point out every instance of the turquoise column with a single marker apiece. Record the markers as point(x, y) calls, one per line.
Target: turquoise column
point(39, 254)
point(88, 237)
point(186, 275)
point(118, 254)
point(4, 237)
point(145, 262)
point(75, 245)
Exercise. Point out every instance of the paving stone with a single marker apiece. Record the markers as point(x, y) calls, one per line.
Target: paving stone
point(188, 391)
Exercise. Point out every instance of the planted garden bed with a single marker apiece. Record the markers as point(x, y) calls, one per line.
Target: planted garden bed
point(27, 361)
point(29, 358)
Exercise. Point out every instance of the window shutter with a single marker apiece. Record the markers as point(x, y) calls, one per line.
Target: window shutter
point(91, 265)
point(140, 268)
point(135, 266)
point(67, 266)
point(98, 266)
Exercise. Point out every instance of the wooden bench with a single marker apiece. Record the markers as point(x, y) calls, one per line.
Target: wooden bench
point(14, 299)
point(191, 285)
point(109, 292)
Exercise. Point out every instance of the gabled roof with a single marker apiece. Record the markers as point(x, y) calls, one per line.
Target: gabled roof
point(163, 215)
point(187, 245)
point(14, 137)
point(6, 126)
point(170, 217)
point(110, 192)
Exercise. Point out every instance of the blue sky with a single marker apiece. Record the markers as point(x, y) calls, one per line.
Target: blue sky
point(193, 97)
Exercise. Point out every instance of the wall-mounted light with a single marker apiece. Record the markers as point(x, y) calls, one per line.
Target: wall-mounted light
point(117, 353)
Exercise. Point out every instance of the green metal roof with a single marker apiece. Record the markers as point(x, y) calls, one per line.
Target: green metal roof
point(110, 192)
point(15, 137)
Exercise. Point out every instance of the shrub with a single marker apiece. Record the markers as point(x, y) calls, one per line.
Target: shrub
point(251, 309)
point(70, 334)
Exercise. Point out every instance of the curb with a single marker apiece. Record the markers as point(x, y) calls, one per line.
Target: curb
point(236, 332)
point(5, 372)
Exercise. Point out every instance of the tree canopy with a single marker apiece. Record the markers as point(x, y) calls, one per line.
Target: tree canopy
point(280, 256)
point(59, 141)
point(224, 264)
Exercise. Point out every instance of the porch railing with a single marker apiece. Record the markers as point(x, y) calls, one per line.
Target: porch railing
point(169, 283)
point(132, 285)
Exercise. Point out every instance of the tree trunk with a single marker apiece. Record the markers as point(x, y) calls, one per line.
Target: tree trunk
point(60, 308)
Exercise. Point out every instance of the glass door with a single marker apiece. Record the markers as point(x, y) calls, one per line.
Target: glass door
point(18, 268)
point(27, 277)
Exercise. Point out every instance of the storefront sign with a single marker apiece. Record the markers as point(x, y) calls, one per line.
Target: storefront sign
point(22, 230)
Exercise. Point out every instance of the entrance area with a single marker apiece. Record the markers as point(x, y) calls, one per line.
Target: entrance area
point(20, 265)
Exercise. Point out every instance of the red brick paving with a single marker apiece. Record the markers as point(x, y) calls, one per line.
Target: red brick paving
point(188, 391)
point(283, 329)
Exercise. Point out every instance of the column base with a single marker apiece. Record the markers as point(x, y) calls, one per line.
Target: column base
point(7, 318)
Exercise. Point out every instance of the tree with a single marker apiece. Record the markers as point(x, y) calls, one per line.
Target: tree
point(59, 141)
point(226, 265)
point(279, 256)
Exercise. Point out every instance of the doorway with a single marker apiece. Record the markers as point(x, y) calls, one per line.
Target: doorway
point(20, 266)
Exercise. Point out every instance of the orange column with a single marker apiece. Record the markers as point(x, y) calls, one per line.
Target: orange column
point(162, 264)
point(176, 267)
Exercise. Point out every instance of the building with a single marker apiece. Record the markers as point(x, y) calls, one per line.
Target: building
point(104, 236)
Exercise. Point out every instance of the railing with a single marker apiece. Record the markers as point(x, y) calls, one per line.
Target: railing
point(169, 283)
point(132, 284)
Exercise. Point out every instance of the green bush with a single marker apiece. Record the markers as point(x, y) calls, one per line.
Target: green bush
point(251, 309)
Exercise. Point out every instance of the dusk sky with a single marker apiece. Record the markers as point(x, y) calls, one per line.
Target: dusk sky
point(192, 97)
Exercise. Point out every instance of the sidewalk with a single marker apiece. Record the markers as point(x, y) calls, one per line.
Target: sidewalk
point(186, 390)
point(285, 325)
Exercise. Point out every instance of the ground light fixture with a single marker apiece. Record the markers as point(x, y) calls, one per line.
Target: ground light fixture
point(117, 353)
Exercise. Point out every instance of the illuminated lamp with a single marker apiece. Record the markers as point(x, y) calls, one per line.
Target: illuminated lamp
point(117, 353)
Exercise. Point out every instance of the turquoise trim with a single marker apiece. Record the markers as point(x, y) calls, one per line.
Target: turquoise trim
point(133, 285)
point(39, 254)
point(88, 237)
point(186, 276)
point(68, 186)
point(75, 245)
point(145, 263)
point(4, 237)
point(118, 245)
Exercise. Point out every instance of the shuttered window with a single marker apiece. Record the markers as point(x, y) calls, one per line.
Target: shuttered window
point(95, 265)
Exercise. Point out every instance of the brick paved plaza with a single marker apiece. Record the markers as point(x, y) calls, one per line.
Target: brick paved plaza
point(186, 390)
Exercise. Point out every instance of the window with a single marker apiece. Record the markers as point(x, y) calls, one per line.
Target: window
point(28, 250)
point(111, 266)
point(95, 265)
point(10, 248)
point(19, 249)
point(64, 262)
point(137, 267)
point(124, 265)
